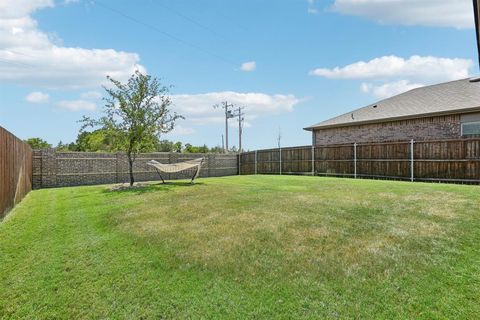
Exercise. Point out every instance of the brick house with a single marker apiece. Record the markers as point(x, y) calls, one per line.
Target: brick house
point(443, 111)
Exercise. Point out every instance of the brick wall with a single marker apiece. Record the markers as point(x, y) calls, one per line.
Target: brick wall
point(62, 169)
point(444, 127)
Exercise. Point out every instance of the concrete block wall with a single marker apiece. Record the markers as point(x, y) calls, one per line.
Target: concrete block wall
point(62, 169)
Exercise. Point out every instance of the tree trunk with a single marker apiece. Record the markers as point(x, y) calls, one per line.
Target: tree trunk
point(130, 170)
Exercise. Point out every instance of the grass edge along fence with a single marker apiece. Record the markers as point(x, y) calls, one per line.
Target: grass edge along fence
point(453, 160)
point(15, 171)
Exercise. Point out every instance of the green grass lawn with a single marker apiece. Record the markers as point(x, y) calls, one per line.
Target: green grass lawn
point(244, 247)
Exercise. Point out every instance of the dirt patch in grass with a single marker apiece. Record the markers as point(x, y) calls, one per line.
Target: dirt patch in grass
point(127, 186)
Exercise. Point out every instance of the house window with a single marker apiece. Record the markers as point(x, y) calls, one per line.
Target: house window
point(471, 128)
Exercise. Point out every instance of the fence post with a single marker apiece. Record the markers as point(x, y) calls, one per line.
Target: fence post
point(49, 168)
point(355, 160)
point(313, 160)
point(255, 161)
point(411, 160)
point(208, 160)
point(280, 151)
point(116, 168)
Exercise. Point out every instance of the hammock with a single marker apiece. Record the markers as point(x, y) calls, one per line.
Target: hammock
point(177, 167)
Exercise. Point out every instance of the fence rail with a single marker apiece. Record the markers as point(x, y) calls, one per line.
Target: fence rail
point(456, 160)
point(15, 170)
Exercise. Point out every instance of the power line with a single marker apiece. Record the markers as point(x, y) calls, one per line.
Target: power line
point(20, 53)
point(169, 35)
point(3, 60)
point(11, 62)
point(195, 22)
point(227, 19)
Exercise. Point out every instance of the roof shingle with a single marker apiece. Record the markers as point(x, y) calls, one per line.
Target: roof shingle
point(444, 98)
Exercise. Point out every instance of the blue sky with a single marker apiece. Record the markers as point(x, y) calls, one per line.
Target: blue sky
point(291, 63)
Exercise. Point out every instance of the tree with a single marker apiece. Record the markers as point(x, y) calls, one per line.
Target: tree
point(194, 149)
point(165, 146)
point(217, 149)
point(136, 113)
point(65, 146)
point(97, 140)
point(177, 147)
point(38, 143)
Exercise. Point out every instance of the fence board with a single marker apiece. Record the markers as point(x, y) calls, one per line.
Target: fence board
point(15, 170)
point(456, 160)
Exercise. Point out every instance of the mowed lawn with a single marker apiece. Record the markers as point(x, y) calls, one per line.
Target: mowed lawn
point(244, 247)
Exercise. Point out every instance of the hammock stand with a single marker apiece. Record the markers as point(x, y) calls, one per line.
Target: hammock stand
point(177, 167)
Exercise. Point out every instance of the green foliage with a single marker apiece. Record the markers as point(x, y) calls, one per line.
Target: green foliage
point(38, 143)
point(167, 146)
point(216, 149)
point(135, 115)
point(170, 146)
point(97, 140)
point(177, 147)
point(193, 149)
point(66, 146)
point(100, 141)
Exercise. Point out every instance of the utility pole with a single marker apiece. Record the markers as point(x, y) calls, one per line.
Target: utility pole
point(228, 115)
point(279, 138)
point(240, 115)
point(223, 144)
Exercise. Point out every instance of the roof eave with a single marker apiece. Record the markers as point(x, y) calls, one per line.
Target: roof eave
point(416, 116)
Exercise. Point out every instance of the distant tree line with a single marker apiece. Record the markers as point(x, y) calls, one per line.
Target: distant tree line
point(100, 141)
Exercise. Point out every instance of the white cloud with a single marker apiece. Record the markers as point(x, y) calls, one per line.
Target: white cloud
point(248, 66)
point(392, 75)
point(436, 13)
point(29, 56)
point(311, 7)
point(416, 67)
point(20, 8)
point(181, 131)
point(91, 95)
point(198, 108)
point(389, 89)
point(77, 105)
point(37, 97)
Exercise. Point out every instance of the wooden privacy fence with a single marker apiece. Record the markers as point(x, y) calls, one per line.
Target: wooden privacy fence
point(440, 160)
point(15, 170)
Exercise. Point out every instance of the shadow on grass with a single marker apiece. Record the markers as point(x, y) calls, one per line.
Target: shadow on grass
point(151, 187)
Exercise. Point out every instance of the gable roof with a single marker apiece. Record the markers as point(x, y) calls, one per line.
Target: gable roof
point(445, 98)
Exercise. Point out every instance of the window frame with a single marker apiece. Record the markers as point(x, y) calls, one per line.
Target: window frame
point(467, 123)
